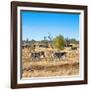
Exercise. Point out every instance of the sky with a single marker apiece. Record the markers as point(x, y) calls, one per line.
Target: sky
point(36, 25)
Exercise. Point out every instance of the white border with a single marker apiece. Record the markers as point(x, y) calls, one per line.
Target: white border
point(51, 79)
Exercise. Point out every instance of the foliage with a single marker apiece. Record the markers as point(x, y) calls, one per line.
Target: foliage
point(74, 41)
point(59, 42)
point(33, 41)
point(67, 41)
point(27, 40)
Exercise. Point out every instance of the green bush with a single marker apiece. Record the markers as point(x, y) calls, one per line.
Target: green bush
point(59, 42)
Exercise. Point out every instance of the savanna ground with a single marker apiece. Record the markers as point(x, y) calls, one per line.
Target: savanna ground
point(49, 67)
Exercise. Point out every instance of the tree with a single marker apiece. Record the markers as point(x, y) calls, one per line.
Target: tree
point(74, 41)
point(32, 41)
point(67, 41)
point(59, 42)
point(49, 37)
point(27, 40)
point(45, 38)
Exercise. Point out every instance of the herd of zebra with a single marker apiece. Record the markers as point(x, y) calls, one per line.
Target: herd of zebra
point(41, 55)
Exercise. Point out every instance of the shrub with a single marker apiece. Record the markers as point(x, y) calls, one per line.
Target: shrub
point(59, 42)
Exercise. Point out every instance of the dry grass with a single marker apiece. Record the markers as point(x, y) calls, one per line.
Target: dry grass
point(49, 67)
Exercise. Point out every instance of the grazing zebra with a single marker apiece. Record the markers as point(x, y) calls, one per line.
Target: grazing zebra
point(37, 55)
point(59, 55)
